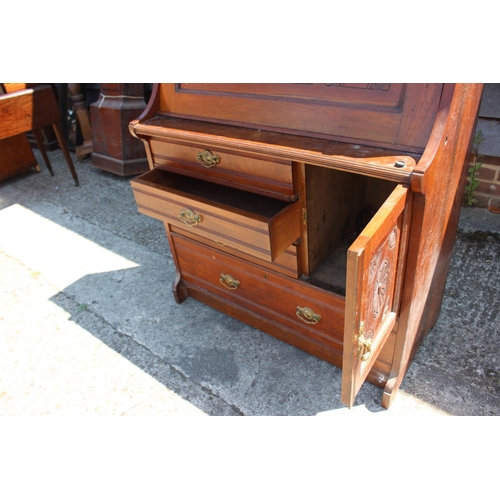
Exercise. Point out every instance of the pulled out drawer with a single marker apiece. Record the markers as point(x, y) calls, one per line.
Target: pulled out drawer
point(256, 225)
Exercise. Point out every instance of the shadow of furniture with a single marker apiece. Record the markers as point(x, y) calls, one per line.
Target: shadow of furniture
point(30, 109)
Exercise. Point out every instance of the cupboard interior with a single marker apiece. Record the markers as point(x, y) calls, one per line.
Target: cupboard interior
point(339, 206)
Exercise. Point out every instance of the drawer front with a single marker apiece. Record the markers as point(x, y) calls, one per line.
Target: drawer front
point(290, 302)
point(286, 263)
point(271, 178)
point(253, 224)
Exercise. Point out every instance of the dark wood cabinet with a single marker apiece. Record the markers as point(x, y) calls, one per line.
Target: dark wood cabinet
point(16, 157)
point(113, 149)
point(322, 214)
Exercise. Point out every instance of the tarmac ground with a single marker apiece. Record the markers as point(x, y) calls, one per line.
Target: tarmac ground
point(89, 325)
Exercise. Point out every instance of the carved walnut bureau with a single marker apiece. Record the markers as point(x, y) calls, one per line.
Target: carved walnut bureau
point(322, 214)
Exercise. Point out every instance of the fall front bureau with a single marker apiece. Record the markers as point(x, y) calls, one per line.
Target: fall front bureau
point(322, 214)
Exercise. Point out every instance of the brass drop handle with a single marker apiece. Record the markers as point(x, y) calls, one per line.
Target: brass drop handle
point(207, 158)
point(364, 344)
point(229, 282)
point(189, 217)
point(364, 348)
point(307, 315)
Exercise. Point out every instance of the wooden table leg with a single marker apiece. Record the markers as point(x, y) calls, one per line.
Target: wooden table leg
point(67, 157)
point(41, 147)
point(82, 116)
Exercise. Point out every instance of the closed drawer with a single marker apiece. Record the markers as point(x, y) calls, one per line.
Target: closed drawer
point(270, 178)
point(290, 302)
point(287, 263)
point(257, 225)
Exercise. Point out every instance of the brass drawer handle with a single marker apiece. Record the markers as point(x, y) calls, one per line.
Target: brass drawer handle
point(229, 282)
point(189, 217)
point(307, 315)
point(207, 158)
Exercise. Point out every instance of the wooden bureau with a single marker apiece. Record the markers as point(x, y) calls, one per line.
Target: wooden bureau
point(322, 214)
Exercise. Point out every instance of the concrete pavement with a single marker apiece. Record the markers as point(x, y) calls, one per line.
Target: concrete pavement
point(89, 326)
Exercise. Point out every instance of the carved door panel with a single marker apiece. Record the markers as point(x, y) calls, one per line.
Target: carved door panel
point(374, 264)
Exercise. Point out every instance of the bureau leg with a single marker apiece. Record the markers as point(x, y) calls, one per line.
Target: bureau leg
point(179, 289)
point(390, 391)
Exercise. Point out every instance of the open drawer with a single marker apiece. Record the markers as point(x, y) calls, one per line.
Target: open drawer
point(257, 225)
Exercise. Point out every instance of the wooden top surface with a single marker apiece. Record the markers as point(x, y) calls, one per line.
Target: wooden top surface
point(357, 158)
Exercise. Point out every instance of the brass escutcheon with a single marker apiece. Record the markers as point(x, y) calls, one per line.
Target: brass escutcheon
point(307, 315)
point(189, 217)
point(229, 282)
point(207, 158)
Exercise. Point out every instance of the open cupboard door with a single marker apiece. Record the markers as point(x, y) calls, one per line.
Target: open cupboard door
point(375, 263)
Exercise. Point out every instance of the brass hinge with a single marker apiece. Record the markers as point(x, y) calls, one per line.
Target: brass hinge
point(304, 217)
